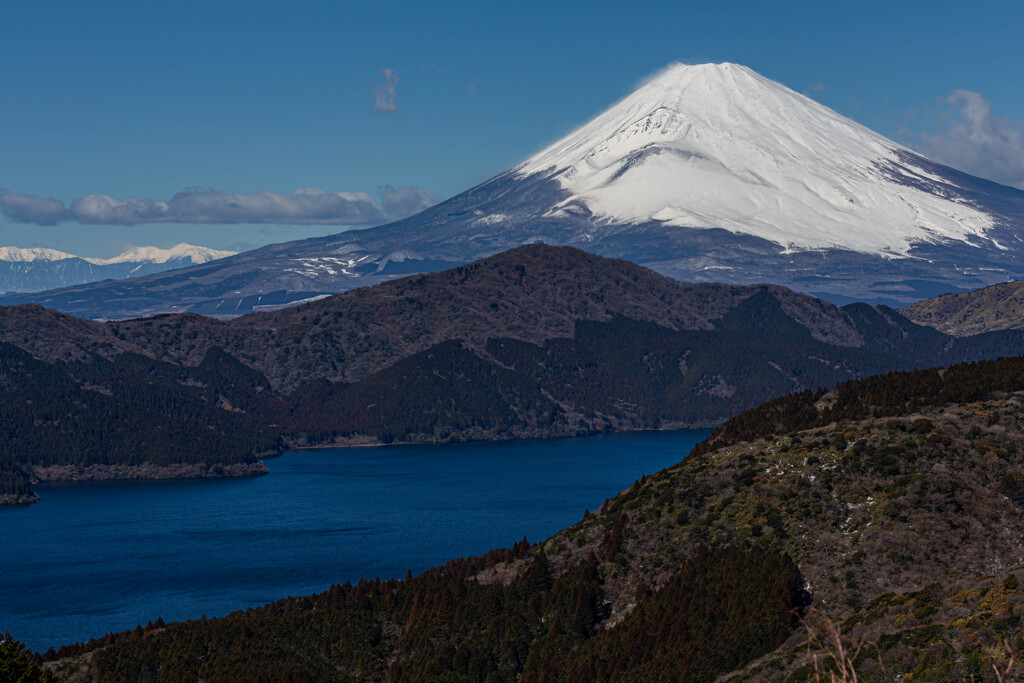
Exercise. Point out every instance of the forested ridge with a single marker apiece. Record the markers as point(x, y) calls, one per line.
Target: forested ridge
point(900, 530)
point(127, 411)
point(532, 293)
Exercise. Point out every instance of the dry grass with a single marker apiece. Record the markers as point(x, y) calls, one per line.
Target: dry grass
point(833, 655)
point(1011, 670)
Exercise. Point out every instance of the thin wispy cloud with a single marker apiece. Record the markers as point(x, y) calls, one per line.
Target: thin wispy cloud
point(305, 206)
point(384, 93)
point(970, 137)
point(405, 201)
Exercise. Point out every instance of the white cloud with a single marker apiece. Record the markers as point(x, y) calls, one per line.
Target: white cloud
point(27, 208)
point(973, 139)
point(305, 206)
point(384, 94)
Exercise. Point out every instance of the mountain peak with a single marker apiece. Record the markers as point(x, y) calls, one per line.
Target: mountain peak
point(720, 146)
point(673, 74)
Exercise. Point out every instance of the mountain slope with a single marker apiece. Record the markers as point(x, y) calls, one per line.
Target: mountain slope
point(705, 173)
point(999, 307)
point(32, 270)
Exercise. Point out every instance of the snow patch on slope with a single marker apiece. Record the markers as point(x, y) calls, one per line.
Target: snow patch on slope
point(719, 146)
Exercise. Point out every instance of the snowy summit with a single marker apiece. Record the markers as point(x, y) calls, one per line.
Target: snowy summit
point(183, 251)
point(718, 145)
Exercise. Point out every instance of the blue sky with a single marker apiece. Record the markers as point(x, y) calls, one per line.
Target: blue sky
point(146, 99)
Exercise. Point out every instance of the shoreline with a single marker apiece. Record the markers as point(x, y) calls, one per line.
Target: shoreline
point(147, 471)
point(181, 471)
point(53, 474)
point(373, 442)
point(11, 500)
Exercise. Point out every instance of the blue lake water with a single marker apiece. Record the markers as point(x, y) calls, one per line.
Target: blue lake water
point(95, 557)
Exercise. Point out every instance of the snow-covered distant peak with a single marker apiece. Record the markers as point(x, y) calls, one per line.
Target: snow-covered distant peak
point(185, 251)
point(191, 252)
point(33, 270)
point(720, 146)
point(14, 254)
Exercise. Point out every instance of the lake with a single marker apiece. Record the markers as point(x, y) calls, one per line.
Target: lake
point(94, 557)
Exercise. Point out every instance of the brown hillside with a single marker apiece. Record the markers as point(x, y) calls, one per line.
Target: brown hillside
point(999, 307)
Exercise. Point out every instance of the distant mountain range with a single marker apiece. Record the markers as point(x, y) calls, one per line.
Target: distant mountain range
point(708, 173)
point(538, 341)
point(33, 270)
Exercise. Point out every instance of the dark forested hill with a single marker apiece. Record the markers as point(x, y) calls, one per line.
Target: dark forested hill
point(532, 293)
point(126, 417)
point(876, 531)
point(536, 342)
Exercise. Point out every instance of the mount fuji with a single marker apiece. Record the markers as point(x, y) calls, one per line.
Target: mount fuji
point(704, 173)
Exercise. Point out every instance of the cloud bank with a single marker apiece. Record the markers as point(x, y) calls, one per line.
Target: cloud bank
point(973, 139)
point(305, 206)
point(384, 94)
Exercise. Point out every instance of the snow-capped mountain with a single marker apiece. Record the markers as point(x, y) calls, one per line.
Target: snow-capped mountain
point(704, 173)
point(719, 146)
point(32, 270)
point(16, 255)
